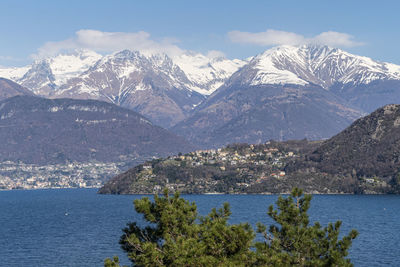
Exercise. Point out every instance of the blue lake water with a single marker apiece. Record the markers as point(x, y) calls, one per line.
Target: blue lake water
point(77, 227)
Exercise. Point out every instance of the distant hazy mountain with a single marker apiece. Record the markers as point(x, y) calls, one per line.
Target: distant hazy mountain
point(43, 131)
point(255, 114)
point(9, 88)
point(214, 99)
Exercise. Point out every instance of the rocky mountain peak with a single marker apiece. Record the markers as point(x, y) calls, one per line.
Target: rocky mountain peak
point(40, 77)
point(318, 64)
point(126, 55)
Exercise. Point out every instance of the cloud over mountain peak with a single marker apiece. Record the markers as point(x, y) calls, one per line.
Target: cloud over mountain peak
point(275, 37)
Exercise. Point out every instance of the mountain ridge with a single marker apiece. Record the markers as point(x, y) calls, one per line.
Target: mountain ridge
point(56, 131)
point(317, 64)
point(9, 88)
point(174, 91)
point(312, 78)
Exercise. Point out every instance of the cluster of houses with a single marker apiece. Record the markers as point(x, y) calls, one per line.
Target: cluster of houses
point(29, 176)
point(375, 181)
point(226, 157)
point(269, 160)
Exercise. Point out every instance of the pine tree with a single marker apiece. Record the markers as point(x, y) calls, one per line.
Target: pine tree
point(176, 236)
point(296, 243)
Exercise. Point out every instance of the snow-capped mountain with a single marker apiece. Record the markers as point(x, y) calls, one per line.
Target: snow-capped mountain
point(127, 69)
point(159, 87)
point(321, 65)
point(44, 76)
point(39, 78)
point(317, 64)
point(291, 92)
point(203, 74)
point(207, 74)
point(67, 66)
point(13, 73)
point(362, 82)
point(152, 85)
point(167, 90)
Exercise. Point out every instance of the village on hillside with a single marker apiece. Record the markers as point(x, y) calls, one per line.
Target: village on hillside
point(232, 169)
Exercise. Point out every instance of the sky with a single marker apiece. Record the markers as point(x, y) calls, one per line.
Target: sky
point(236, 29)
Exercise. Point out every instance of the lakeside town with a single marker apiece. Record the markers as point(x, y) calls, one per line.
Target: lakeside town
point(73, 175)
point(245, 161)
point(236, 168)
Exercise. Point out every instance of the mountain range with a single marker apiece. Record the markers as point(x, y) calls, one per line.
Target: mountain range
point(287, 92)
point(43, 131)
point(290, 93)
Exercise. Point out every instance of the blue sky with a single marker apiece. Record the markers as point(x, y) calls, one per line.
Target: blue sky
point(238, 29)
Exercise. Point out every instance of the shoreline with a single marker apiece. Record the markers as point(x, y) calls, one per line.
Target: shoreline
point(206, 194)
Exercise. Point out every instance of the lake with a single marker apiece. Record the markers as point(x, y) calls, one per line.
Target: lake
point(77, 227)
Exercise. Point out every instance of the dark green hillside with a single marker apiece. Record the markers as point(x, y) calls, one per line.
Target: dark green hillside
point(42, 131)
point(370, 146)
point(237, 169)
point(364, 158)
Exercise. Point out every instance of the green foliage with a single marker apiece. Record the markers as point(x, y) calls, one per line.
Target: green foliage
point(112, 262)
point(177, 236)
point(295, 242)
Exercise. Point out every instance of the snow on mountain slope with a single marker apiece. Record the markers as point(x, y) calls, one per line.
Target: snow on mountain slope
point(126, 71)
point(317, 64)
point(268, 73)
point(13, 73)
point(39, 78)
point(45, 75)
point(285, 64)
point(205, 73)
point(393, 69)
point(66, 66)
point(150, 84)
point(192, 71)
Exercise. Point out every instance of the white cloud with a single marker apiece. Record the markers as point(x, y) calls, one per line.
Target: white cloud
point(267, 38)
point(273, 37)
point(338, 39)
point(110, 42)
point(215, 54)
